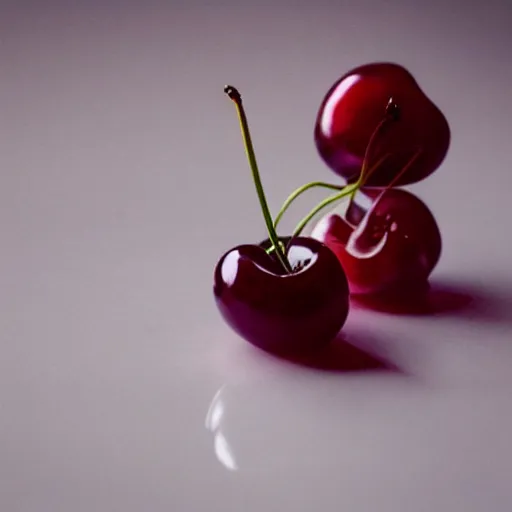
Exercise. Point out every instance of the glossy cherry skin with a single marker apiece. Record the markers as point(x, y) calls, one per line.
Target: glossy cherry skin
point(391, 250)
point(283, 313)
point(355, 105)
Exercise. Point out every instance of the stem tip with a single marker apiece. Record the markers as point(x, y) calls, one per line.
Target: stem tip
point(392, 110)
point(233, 93)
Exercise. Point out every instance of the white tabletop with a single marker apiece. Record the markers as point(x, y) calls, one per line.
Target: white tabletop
point(123, 180)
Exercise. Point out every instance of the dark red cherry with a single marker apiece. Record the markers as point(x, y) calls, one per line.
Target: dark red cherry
point(355, 106)
point(391, 249)
point(280, 312)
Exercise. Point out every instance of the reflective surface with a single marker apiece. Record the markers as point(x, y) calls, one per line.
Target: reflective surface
point(123, 180)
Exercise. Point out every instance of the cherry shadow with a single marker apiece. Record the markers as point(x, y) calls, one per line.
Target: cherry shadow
point(442, 298)
point(345, 354)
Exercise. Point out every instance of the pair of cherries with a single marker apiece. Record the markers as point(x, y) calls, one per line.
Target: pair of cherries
point(378, 130)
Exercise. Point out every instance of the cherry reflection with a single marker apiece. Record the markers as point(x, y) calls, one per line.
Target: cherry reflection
point(289, 421)
point(213, 423)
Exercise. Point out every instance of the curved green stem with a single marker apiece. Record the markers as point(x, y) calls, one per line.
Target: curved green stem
point(350, 190)
point(345, 190)
point(235, 96)
point(294, 195)
point(365, 175)
point(323, 204)
point(391, 114)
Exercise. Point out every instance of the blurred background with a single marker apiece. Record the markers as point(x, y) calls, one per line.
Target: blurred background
point(122, 181)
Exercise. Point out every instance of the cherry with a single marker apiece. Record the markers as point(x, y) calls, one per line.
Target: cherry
point(287, 296)
point(389, 248)
point(279, 312)
point(350, 118)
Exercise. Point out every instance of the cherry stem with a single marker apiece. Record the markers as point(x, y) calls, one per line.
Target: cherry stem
point(391, 114)
point(404, 169)
point(346, 190)
point(235, 96)
point(294, 195)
